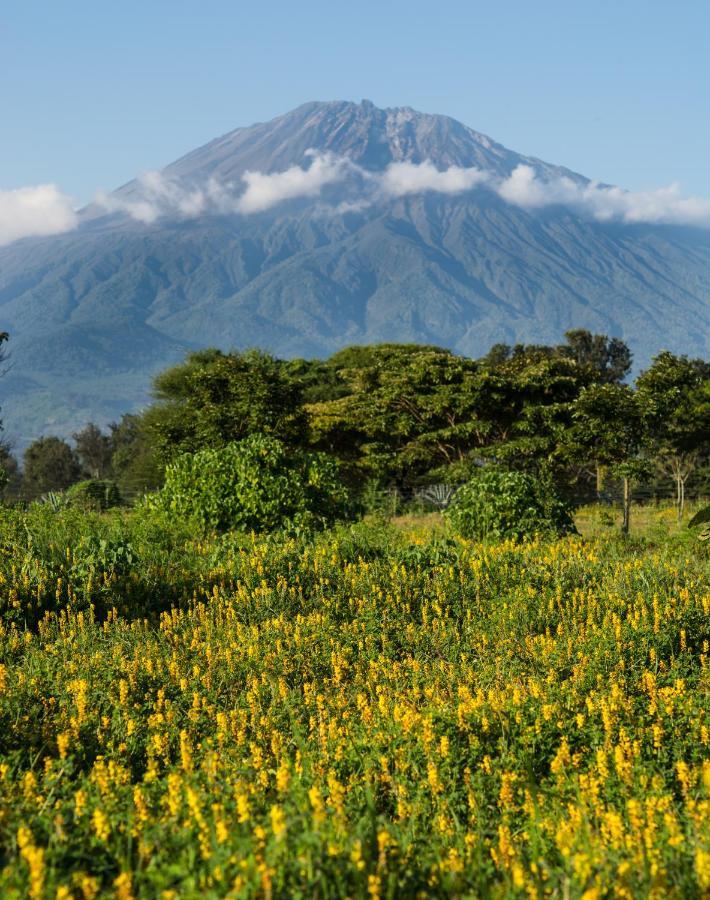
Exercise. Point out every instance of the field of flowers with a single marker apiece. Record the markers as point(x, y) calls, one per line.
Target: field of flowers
point(368, 713)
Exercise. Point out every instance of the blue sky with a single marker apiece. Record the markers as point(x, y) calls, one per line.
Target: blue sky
point(92, 93)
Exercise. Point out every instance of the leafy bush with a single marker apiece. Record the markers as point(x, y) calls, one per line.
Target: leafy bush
point(112, 556)
point(95, 494)
point(499, 504)
point(256, 484)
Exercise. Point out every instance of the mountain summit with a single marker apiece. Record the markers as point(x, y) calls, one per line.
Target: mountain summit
point(369, 136)
point(334, 224)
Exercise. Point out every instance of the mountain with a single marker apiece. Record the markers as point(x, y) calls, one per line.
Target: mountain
point(94, 313)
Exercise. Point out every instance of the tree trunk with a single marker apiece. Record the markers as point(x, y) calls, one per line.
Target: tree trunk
point(627, 507)
point(600, 479)
point(681, 501)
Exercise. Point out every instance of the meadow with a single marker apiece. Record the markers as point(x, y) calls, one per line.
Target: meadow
point(382, 710)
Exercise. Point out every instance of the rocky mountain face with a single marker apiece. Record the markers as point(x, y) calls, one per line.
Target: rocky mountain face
point(94, 313)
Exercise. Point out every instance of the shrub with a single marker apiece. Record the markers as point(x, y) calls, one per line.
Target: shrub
point(96, 495)
point(499, 504)
point(256, 484)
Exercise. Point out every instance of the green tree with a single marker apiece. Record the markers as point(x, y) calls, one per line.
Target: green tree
point(422, 412)
point(526, 403)
point(134, 461)
point(214, 399)
point(10, 476)
point(50, 464)
point(609, 358)
point(675, 394)
point(609, 426)
point(94, 450)
point(409, 410)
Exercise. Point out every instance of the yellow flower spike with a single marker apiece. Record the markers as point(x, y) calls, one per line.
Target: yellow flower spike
point(123, 886)
point(79, 803)
point(34, 857)
point(356, 856)
point(278, 822)
point(185, 751)
point(100, 825)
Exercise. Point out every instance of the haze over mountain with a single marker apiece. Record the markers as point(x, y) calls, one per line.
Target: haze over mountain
point(337, 223)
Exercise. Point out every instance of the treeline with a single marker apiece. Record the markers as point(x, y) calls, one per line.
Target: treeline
point(407, 415)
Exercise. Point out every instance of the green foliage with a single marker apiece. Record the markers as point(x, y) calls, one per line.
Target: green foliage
point(214, 399)
point(94, 450)
point(701, 517)
point(609, 425)
point(609, 358)
point(413, 413)
point(134, 461)
point(10, 475)
point(94, 494)
point(701, 520)
point(104, 556)
point(50, 464)
point(499, 504)
point(253, 485)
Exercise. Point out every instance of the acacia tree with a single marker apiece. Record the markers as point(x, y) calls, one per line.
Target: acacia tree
point(675, 394)
point(547, 380)
point(413, 412)
point(409, 410)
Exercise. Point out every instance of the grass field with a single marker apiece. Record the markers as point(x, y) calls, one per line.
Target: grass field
point(380, 711)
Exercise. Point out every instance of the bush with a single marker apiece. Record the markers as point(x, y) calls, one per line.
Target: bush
point(501, 504)
point(95, 495)
point(256, 484)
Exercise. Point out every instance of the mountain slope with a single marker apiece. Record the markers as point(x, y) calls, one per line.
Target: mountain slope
point(95, 312)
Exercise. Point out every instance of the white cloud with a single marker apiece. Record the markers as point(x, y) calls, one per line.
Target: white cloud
point(159, 196)
point(605, 204)
point(401, 178)
point(265, 191)
point(43, 210)
point(524, 188)
point(34, 212)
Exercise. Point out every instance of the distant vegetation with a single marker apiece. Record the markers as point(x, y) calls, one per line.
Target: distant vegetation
point(400, 417)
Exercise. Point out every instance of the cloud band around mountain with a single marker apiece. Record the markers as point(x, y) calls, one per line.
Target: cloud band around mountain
point(44, 210)
point(258, 192)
